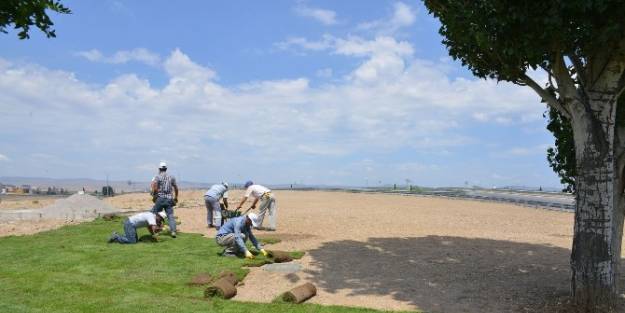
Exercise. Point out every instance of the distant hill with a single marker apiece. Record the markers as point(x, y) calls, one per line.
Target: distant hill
point(89, 184)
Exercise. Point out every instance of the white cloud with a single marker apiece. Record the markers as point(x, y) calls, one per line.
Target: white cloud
point(124, 56)
point(357, 46)
point(326, 17)
point(403, 16)
point(322, 150)
point(179, 66)
point(523, 151)
point(4, 158)
point(390, 101)
point(327, 42)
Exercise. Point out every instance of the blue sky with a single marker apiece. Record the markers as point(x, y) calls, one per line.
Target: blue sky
point(315, 92)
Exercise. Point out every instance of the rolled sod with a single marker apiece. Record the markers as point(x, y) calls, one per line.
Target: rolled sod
point(200, 279)
point(221, 288)
point(229, 276)
point(279, 256)
point(300, 293)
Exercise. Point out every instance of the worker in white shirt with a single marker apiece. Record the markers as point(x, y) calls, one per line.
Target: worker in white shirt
point(152, 221)
point(267, 204)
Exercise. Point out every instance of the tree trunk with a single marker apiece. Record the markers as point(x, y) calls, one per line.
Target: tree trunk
point(598, 216)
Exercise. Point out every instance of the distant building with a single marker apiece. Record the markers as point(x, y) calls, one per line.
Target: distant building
point(25, 189)
point(10, 188)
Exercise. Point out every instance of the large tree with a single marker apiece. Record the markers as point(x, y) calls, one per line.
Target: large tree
point(580, 45)
point(22, 14)
point(561, 158)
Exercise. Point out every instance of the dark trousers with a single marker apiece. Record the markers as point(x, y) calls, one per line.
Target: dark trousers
point(167, 205)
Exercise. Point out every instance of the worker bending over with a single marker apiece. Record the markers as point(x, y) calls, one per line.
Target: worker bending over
point(235, 232)
point(213, 208)
point(267, 203)
point(150, 220)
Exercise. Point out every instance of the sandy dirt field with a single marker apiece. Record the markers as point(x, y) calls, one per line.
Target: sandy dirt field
point(10, 202)
point(402, 253)
point(19, 228)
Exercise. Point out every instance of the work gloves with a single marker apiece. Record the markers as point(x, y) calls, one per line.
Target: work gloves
point(248, 255)
point(264, 253)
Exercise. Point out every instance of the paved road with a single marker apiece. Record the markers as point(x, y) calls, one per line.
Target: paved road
point(546, 200)
point(551, 200)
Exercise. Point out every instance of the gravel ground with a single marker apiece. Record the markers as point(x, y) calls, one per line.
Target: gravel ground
point(400, 252)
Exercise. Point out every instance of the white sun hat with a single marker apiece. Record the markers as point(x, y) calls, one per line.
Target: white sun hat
point(254, 218)
point(162, 165)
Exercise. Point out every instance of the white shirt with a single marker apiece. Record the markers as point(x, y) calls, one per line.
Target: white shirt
point(143, 219)
point(256, 191)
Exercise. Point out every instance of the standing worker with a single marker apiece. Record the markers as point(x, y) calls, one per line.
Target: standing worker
point(235, 233)
point(267, 203)
point(146, 219)
point(213, 208)
point(165, 195)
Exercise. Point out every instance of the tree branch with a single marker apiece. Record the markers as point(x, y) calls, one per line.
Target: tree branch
point(579, 69)
point(566, 84)
point(546, 96)
point(606, 64)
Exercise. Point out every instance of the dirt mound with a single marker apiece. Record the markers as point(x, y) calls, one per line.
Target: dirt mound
point(73, 208)
point(78, 206)
point(80, 202)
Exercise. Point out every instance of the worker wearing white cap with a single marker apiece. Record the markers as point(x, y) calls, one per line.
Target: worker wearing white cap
point(165, 195)
point(146, 219)
point(213, 208)
point(233, 234)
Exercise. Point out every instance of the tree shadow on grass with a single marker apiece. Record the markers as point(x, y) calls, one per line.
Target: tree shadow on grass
point(448, 274)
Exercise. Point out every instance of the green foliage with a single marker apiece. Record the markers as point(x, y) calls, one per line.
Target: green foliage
point(73, 269)
point(23, 14)
point(502, 39)
point(561, 158)
point(297, 254)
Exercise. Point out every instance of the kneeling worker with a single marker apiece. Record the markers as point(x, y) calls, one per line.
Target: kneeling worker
point(235, 232)
point(154, 223)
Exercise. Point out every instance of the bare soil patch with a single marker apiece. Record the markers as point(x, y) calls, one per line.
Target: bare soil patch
point(18, 228)
point(11, 202)
point(401, 253)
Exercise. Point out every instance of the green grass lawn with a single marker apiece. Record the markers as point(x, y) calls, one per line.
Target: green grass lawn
point(73, 269)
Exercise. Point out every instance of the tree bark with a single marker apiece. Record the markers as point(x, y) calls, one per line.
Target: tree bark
point(599, 212)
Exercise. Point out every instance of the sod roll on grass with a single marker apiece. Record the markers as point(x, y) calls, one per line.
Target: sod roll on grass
point(300, 293)
point(280, 256)
point(229, 276)
point(222, 288)
point(200, 279)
